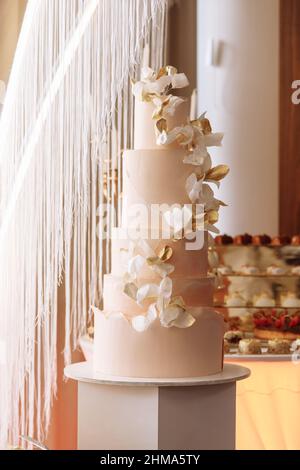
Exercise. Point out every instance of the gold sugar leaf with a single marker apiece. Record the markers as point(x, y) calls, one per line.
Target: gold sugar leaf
point(217, 173)
point(165, 253)
point(161, 125)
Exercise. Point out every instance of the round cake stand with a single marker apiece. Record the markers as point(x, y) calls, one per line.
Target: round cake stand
point(138, 413)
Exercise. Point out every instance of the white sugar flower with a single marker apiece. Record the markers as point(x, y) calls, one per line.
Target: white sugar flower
point(142, 322)
point(175, 313)
point(161, 292)
point(193, 187)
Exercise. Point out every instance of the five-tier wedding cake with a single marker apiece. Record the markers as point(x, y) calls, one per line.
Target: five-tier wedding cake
point(157, 318)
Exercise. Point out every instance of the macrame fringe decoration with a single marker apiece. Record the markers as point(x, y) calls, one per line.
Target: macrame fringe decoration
point(66, 118)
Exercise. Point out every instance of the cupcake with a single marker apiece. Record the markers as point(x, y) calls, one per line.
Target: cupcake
point(249, 270)
point(249, 346)
point(274, 270)
point(279, 346)
point(290, 300)
point(263, 300)
point(235, 300)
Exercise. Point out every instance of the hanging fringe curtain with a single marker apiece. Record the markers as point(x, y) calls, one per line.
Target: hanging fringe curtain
point(66, 118)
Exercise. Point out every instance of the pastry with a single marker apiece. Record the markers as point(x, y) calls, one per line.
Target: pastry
point(263, 300)
point(223, 240)
point(281, 240)
point(249, 346)
point(279, 346)
point(249, 270)
point(276, 324)
point(244, 239)
point(289, 300)
point(235, 299)
point(233, 336)
point(261, 240)
point(274, 270)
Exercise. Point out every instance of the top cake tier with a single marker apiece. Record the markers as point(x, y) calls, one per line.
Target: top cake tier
point(144, 125)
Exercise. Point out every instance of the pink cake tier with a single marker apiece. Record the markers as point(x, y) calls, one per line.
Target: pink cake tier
point(157, 175)
point(159, 352)
point(154, 177)
point(195, 292)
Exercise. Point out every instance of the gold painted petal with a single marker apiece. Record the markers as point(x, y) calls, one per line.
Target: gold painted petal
point(184, 320)
point(170, 70)
point(161, 125)
point(217, 173)
point(151, 260)
point(131, 290)
point(211, 217)
point(169, 314)
point(162, 72)
point(165, 253)
point(203, 124)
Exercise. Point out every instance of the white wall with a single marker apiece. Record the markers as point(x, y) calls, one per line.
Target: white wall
point(241, 95)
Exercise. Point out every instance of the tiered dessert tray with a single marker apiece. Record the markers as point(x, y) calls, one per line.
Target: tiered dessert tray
point(258, 288)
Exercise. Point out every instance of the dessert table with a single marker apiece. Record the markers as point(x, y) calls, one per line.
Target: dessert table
point(268, 411)
point(180, 413)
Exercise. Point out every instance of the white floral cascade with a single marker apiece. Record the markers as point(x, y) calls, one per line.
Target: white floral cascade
point(195, 137)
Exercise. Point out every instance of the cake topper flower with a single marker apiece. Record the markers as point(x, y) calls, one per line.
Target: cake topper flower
point(156, 85)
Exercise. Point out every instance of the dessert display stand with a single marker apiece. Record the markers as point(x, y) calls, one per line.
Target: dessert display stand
point(139, 413)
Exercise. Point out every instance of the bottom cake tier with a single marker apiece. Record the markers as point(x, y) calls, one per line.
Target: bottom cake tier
point(159, 352)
